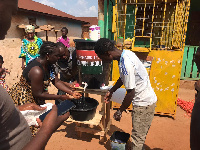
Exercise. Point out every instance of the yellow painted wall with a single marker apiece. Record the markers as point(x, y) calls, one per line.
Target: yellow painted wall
point(164, 74)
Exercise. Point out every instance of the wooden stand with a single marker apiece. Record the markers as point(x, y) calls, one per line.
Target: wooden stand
point(101, 120)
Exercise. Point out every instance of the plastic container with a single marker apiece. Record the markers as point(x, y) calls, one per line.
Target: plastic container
point(119, 140)
point(118, 95)
point(94, 32)
point(87, 58)
point(90, 66)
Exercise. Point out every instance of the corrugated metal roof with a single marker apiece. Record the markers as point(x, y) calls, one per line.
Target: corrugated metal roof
point(41, 8)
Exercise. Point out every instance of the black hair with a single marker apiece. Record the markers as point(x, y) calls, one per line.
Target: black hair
point(104, 45)
point(47, 48)
point(1, 58)
point(64, 28)
point(60, 44)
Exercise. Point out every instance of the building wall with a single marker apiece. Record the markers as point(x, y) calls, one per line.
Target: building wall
point(10, 47)
point(74, 29)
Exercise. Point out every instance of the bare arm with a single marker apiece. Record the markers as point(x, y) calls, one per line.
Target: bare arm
point(61, 86)
point(49, 125)
point(37, 86)
point(126, 102)
point(23, 61)
point(30, 106)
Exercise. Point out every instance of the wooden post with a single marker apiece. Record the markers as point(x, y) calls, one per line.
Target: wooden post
point(46, 36)
point(101, 17)
point(56, 35)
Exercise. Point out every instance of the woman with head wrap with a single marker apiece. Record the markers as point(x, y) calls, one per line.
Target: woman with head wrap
point(30, 46)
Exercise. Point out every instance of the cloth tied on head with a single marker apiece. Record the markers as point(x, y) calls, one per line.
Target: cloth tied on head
point(29, 29)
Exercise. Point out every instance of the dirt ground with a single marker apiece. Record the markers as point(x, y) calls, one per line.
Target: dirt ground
point(165, 133)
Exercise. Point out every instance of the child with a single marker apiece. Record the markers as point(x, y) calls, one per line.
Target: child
point(64, 39)
point(3, 72)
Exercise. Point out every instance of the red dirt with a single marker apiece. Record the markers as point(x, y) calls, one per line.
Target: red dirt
point(165, 133)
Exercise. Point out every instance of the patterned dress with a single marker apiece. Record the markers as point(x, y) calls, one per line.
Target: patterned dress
point(30, 50)
point(21, 92)
point(2, 80)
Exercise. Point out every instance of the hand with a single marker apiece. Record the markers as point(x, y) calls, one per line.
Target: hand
point(77, 95)
point(117, 115)
point(107, 97)
point(52, 121)
point(72, 86)
point(30, 106)
point(64, 97)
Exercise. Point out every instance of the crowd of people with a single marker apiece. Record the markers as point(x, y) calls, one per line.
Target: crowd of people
point(15, 132)
point(41, 63)
point(38, 59)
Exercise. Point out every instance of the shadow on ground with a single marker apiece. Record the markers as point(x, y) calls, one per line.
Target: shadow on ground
point(148, 148)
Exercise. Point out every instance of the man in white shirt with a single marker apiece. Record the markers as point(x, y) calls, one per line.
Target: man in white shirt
point(134, 77)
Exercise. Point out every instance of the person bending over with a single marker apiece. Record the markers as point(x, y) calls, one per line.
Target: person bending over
point(134, 77)
point(37, 76)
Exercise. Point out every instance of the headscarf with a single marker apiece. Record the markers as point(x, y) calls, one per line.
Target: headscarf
point(29, 28)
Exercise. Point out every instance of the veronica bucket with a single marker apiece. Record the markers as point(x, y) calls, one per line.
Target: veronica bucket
point(89, 64)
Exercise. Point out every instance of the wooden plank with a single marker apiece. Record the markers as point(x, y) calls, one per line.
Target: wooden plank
point(78, 133)
point(140, 49)
point(189, 63)
point(107, 113)
point(184, 62)
point(95, 91)
point(89, 130)
point(105, 19)
point(95, 121)
point(92, 91)
point(110, 13)
point(103, 113)
point(194, 66)
point(189, 68)
point(184, 78)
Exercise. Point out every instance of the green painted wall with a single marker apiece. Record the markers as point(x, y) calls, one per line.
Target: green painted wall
point(189, 68)
point(101, 25)
point(130, 21)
